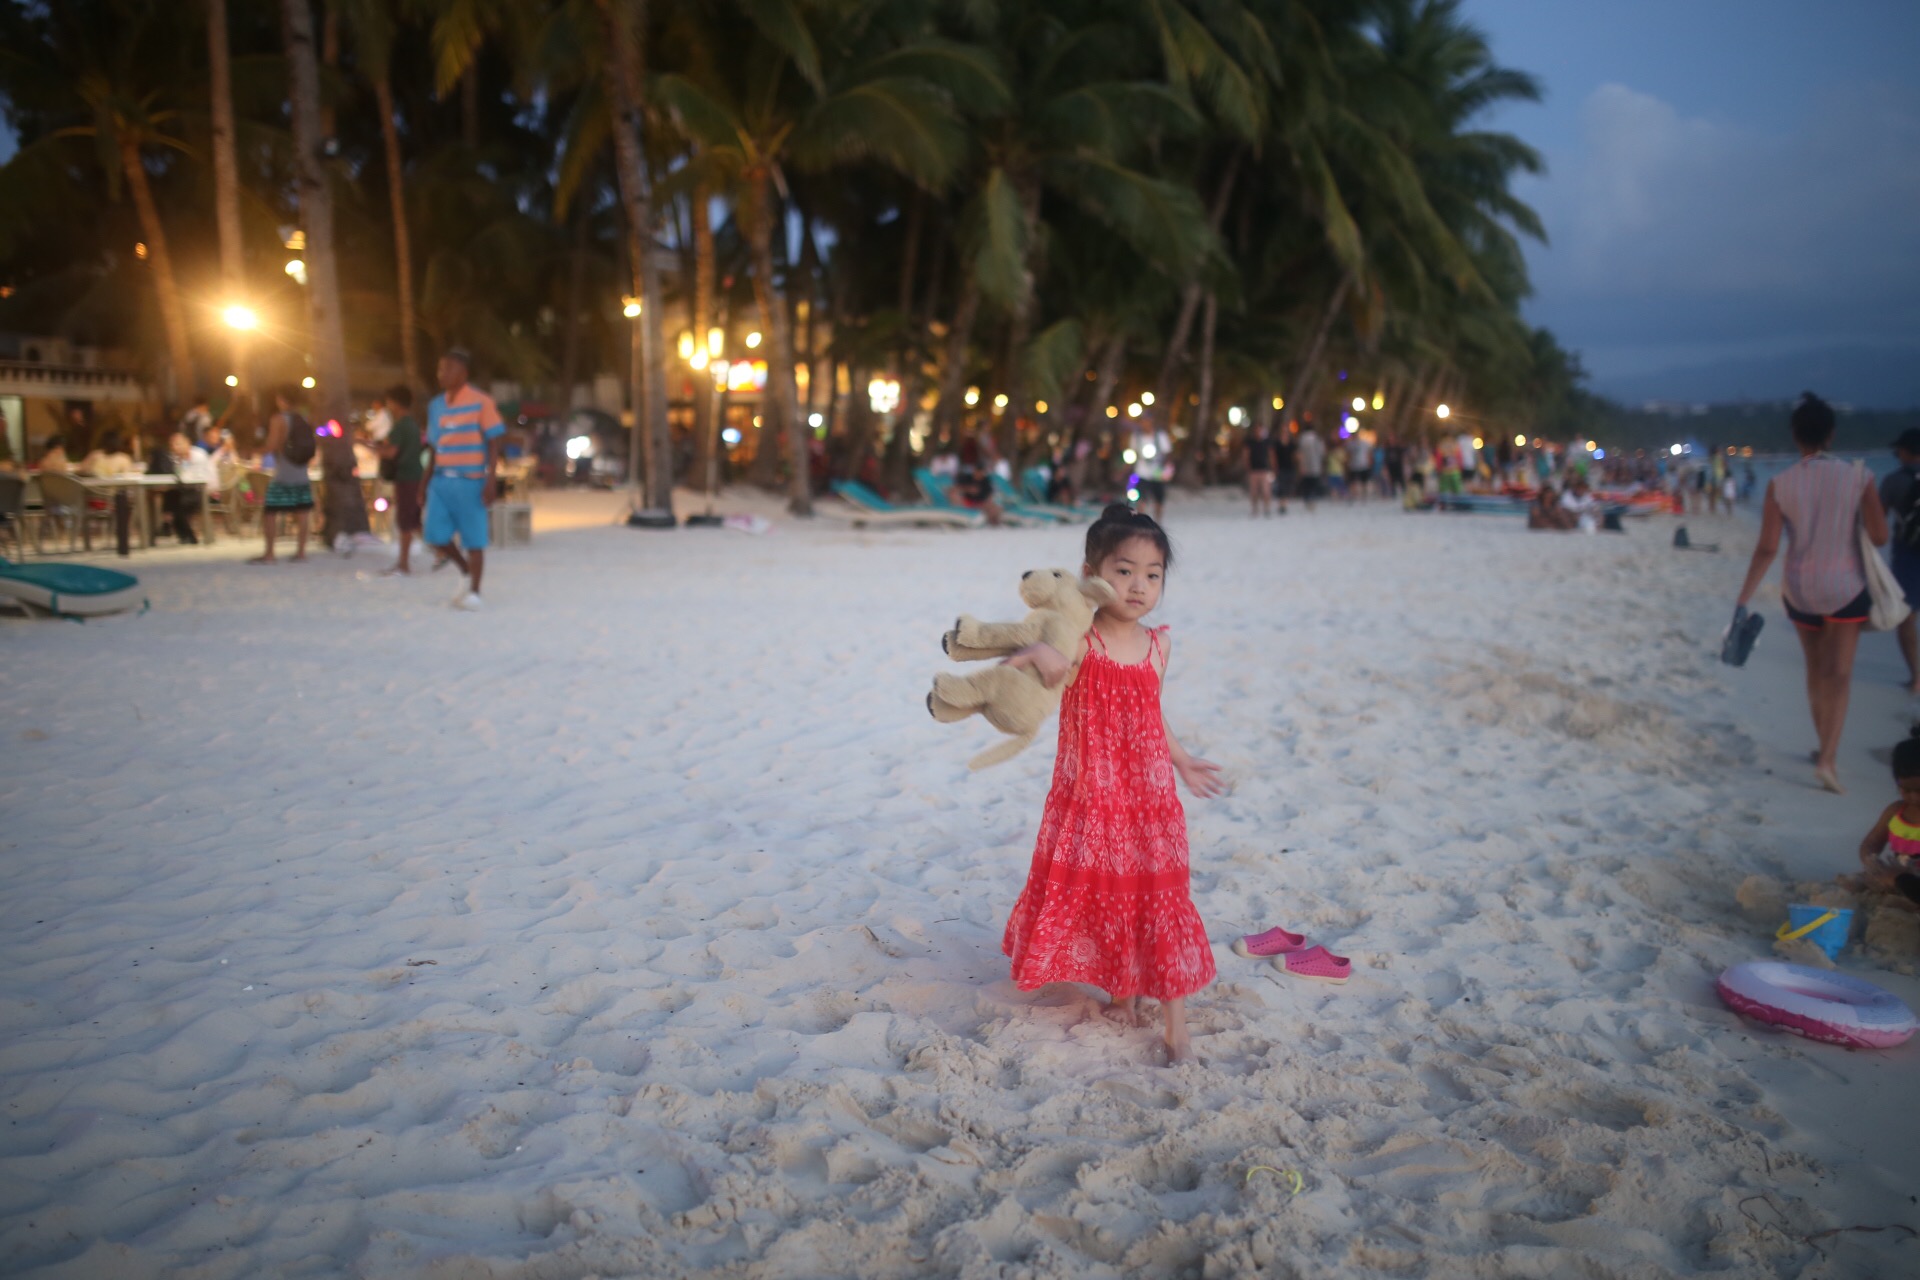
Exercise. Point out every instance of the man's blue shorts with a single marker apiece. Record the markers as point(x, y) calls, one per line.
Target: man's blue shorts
point(454, 506)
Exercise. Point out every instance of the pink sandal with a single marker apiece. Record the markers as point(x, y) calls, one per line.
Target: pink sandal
point(1315, 964)
point(1274, 942)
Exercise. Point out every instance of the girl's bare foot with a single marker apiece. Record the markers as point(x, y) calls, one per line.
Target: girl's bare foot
point(263, 560)
point(1179, 1048)
point(1126, 1012)
point(1829, 777)
point(297, 559)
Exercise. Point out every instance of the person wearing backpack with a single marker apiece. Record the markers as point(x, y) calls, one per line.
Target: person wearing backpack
point(290, 447)
point(1900, 495)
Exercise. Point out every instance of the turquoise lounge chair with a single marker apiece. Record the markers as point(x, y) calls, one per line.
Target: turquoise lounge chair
point(71, 590)
point(938, 490)
point(1010, 499)
point(1034, 481)
point(869, 507)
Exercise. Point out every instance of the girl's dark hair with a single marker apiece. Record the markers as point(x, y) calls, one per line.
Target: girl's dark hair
point(1906, 759)
point(1117, 525)
point(1812, 421)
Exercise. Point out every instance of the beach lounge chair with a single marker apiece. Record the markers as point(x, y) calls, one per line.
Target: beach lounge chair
point(71, 590)
point(1010, 499)
point(938, 491)
point(869, 508)
point(1033, 482)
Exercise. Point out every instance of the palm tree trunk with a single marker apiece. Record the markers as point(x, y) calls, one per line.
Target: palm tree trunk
point(1301, 386)
point(777, 405)
point(346, 509)
point(705, 428)
point(1201, 447)
point(624, 20)
point(576, 298)
point(953, 372)
point(1190, 305)
point(226, 178)
point(402, 239)
point(173, 315)
point(330, 59)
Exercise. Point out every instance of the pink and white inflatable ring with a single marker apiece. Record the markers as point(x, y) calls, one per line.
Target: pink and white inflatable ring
point(1817, 1004)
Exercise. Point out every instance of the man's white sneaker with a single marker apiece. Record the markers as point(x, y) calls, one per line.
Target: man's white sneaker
point(468, 600)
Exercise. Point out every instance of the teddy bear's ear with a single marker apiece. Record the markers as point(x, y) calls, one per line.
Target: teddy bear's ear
point(1097, 590)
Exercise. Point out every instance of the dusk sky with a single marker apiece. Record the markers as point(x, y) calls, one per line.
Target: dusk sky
point(1727, 179)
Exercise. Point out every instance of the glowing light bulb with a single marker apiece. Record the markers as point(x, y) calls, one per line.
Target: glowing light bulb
point(1112, 412)
point(1146, 397)
point(1039, 406)
point(630, 307)
point(1520, 441)
point(1133, 410)
point(753, 340)
point(233, 379)
point(716, 341)
point(307, 382)
point(239, 317)
point(973, 395)
point(1442, 412)
point(1359, 403)
point(686, 346)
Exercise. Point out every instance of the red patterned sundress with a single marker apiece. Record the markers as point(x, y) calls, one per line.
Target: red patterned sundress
point(1106, 902)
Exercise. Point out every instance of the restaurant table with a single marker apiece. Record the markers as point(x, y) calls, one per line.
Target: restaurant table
point(142, 488)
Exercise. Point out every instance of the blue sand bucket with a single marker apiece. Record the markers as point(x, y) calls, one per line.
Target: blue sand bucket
point(1825, 927)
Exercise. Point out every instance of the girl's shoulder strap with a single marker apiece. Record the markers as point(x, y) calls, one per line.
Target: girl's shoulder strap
point(1157, 644)
point(1095, 640)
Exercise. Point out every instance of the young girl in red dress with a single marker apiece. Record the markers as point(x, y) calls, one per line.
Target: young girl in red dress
point(1106, 901)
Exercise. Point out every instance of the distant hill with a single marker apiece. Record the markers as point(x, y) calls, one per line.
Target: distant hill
point(1861, 376)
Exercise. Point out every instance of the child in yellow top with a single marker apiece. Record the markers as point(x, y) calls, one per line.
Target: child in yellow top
point(1890, 854)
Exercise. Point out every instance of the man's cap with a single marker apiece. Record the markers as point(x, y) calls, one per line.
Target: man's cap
point(1909, 440)
point(458, 353)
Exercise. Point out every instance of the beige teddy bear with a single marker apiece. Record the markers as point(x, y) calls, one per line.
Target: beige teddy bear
point(1013, 699)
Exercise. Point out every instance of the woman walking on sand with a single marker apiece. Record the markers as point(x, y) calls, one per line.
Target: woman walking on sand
point(1821, 503)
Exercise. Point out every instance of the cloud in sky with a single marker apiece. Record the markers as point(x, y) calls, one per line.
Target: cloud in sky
point(1677, 238)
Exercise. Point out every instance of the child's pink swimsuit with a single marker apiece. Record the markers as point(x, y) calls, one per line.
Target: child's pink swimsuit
point(1903, 838)
point(1106, 902)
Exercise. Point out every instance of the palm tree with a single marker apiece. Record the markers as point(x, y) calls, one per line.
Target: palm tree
point(776, 104)
point(226, 171)
point(374, 26)
point(106, 73)
point(316, 213)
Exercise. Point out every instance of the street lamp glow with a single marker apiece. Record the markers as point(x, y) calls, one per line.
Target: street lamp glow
point(1129, 457)
point(239, 317)
point(1359, 403)
point(1234, 415)
point(1592, 445)
point(1039, 406)
point(1112, 412)
point(1442, 412)
point(630, 307)
point(753, 340)
point(1146, 398)
point(233, 379)
point(716, 341)
point(1519, 441)
point(1379, 400)
point(973, 396)
point(1134, 410)
point(1675, 450)
point(1279, 403)
point(297, 268)
point(686, 345)
point(1479, 443)
point(698, 359)
point(307, 382)
point(1000, 401)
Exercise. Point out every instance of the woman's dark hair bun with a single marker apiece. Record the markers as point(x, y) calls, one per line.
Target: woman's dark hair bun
point(1812, 421)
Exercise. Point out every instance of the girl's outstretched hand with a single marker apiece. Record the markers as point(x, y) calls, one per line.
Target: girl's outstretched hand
point(1201, 776)
point(1043, 660)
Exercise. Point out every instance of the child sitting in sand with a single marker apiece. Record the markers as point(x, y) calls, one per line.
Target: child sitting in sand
point(1106, 901)
point(1890, 855)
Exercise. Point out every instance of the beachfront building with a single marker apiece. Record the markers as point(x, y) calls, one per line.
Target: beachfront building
point(44, 380)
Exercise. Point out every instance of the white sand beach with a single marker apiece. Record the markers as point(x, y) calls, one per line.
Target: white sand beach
point(645, 925)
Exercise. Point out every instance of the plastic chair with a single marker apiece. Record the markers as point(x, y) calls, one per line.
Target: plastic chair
point(71, 503)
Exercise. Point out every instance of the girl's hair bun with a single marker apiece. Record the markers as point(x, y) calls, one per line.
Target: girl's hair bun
point(1117, 511)
point(1119, 522)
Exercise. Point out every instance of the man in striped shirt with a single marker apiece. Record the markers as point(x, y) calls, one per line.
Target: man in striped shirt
point(463, 430)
